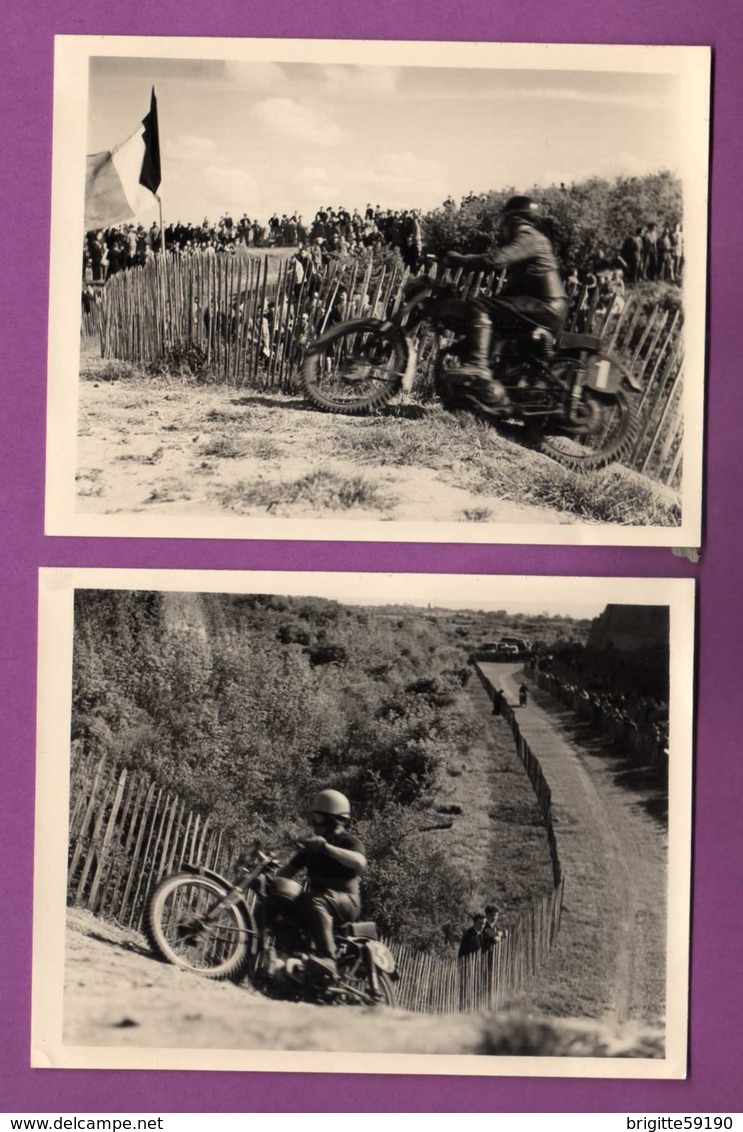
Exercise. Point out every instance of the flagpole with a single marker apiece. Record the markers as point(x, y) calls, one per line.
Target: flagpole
point(162, 230)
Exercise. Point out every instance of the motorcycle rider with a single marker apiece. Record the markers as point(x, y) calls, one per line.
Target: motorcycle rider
point(333, 859)
point(532, 302)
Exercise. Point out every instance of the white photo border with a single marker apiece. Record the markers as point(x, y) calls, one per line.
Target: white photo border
point(72, 55)
point(56, 597)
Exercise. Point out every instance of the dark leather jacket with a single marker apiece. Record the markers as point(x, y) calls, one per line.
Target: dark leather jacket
point(531, 264)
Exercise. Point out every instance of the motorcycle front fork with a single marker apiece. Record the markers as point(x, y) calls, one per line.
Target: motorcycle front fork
point(576, 392)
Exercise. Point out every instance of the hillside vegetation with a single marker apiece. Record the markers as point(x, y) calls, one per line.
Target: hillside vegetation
point(588, 219)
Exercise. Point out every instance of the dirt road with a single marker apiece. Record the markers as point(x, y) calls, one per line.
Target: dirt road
point(609, 961)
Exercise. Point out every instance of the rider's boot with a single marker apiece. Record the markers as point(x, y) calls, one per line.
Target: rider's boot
point(322, 966)
point(486, 390)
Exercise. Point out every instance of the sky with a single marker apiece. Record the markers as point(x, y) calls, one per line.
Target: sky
point(258, 137)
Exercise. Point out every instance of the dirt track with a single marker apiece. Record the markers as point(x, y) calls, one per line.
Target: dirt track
point(609, 961)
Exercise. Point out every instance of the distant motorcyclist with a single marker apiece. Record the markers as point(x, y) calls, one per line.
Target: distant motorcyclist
point(532, 302)
point(333, 859)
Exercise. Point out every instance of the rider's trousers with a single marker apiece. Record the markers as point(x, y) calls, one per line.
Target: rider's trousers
point(514, 316)
point(325, 909)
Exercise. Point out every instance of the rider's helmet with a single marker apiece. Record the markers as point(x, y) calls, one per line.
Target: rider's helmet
point(332, 803)
point(521, 208)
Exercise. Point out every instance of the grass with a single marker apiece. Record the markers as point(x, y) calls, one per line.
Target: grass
point(473, 455)
point(88, 483)
point(102, 369)
point(497, 837)
point(457, 448)
point(317, 489)
point(223, 448)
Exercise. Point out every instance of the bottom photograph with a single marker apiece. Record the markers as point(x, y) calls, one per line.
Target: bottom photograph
point(363, 823)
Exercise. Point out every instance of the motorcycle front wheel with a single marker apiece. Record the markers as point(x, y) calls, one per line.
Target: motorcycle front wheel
point(182, 928)
point(355, 369)
point(604, 429)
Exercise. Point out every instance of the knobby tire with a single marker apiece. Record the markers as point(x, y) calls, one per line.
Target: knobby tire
point(325, 385)
point(230, 945)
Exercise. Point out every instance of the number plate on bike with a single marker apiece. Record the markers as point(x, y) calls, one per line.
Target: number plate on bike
point(602, 376)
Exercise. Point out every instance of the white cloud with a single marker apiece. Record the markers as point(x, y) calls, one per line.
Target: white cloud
point(228, 186)
point(313, 173)
point(640, 100)
point(404, 169)
point(662, 101)
point(191, 147)
point(290, 119)
point(364, 79)
point(255, 76)
point(615, 165)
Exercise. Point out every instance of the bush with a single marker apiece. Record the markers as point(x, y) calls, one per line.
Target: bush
point(411, 888)
point(586, 220)
point(186, 359)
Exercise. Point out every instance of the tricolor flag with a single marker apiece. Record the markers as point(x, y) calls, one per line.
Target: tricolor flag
point(122, 183)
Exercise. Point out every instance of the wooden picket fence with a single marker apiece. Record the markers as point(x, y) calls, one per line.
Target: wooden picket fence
point(640, 747)
point(242, 328)
point(533, 769)
point(485, 981)
point(126, 833)
point(223, 313)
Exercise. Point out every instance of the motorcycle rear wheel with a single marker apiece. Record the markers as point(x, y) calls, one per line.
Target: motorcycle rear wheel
point(604, 432)
point(177, 929)
point(352, 970)
point(356, 369)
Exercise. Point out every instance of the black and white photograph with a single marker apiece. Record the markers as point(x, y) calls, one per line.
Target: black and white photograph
point(378, 291)
point(363, 823)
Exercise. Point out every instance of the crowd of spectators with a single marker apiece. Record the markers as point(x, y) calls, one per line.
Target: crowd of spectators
point(651, 254)
point(630, 710)
point(332, 232)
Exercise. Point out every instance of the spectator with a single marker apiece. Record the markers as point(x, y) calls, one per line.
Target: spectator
point(492, 934)
point(631, 254)
point(471, 942)
point(650, 251)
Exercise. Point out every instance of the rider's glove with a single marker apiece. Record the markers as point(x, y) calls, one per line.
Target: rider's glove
point(314, 842)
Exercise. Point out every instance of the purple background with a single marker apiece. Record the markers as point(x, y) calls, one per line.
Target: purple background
point(26, 84)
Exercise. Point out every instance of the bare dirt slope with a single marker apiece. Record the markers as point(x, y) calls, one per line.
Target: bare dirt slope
point(212, 450)
point(609, 960)
point(116, 994)
point(162, 445)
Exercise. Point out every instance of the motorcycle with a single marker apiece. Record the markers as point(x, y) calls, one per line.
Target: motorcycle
point(572, 400)
point(252, 928)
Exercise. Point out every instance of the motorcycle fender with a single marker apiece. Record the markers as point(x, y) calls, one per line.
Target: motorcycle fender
point(352, 324)
point(381, 955)
point(201, 871)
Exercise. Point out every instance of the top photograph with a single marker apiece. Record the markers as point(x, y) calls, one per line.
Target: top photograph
point(378, 291)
